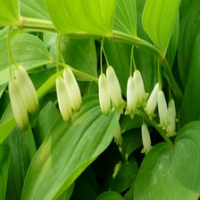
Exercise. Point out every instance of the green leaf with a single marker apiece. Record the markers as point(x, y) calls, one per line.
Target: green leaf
point(110, 195)
point(9, 13)
point(186, 162)
point(125, 20)
point(158, 20)
point(46, 120)
point(67, 194)
point(4, 164)
point(80, 54)
point(189, 33)
point(27, 50)
point(82, 17)
point(68, 149)
point(190, 107)
point(22, 146)
point(156, 180)
point(34, 9)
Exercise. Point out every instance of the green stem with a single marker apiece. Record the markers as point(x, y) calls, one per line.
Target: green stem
point(58, 51)
point(159, 76)
point(154, 124)
point(79, 73)
point(101, 56)
point(131, 61)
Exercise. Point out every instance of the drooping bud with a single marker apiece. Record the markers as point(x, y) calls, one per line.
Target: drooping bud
point(18, 107)
point(27, 89)
point(162, 110)
point(152, 102)
point(104, 96)
point(63, 99)
point(131, 97)
point(114, 89)
point(172, 119)
point(140, 91)
point(146, 140)
point(72, 89)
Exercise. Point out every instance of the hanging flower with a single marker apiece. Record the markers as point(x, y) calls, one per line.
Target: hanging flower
point(72, 89)
point(152, 102)
point(162, 110)
point(63, 99)
point(19, 110)
point(172, 119)
point(27, 90)
point(114, 89)
point(141, 95)
point(104, 97)
point(146, 140)
point(131, 97)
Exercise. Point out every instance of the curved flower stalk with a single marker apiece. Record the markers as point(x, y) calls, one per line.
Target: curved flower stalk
point(146, 140)
point(19, 109)
point(152, 102)
point(72, 89)
point(172, 119)
point(27, 90)
point(104, 96)
point(131, 97)
point(141, 95)
point(114, 89)
point(63, 99)
point(162, 110)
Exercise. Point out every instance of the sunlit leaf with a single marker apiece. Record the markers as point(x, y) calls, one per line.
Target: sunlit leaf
point(80, 17)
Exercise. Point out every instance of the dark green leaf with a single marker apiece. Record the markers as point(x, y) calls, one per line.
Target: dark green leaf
point(110, 195)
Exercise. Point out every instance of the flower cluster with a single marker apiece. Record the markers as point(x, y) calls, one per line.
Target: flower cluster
point(23, 97)
point(68, 94)
point(109, 88)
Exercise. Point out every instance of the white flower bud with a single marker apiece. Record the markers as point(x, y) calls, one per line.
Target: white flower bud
point(152, 102)
point(162, 110)
point(172, 119)
point(131, 97)
point(141, 95)
point(146, 140)
point(114, 89)
point(104, 96)
point(27, 90)
point(18, 107)
point(72, 89)
point(63, 99)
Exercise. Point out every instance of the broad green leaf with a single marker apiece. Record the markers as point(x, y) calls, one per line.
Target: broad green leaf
point(27, 50)
point(125, 20)
point(9, 13)
point(82, 17)
point(67, 194)
point(156, 177)
point(80, 54)
point(22, 147)
point(186, 158)
point(189, 33)
point(46, 120)
point(190, 108)
point(34, 9)
point(4, 164)
point(110, 195)
point(2, 88)
point(68, 149)
point(158, 20)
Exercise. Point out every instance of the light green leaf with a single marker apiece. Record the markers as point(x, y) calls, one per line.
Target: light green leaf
point(68, 149)
point(28, 51)
point(67, 194)
point(82, 17)
point(33, 9)
point(22, 148)
point(9, 13)
point(125, 20)
point(158, 20)
point(110, 195)
point(4, 164)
